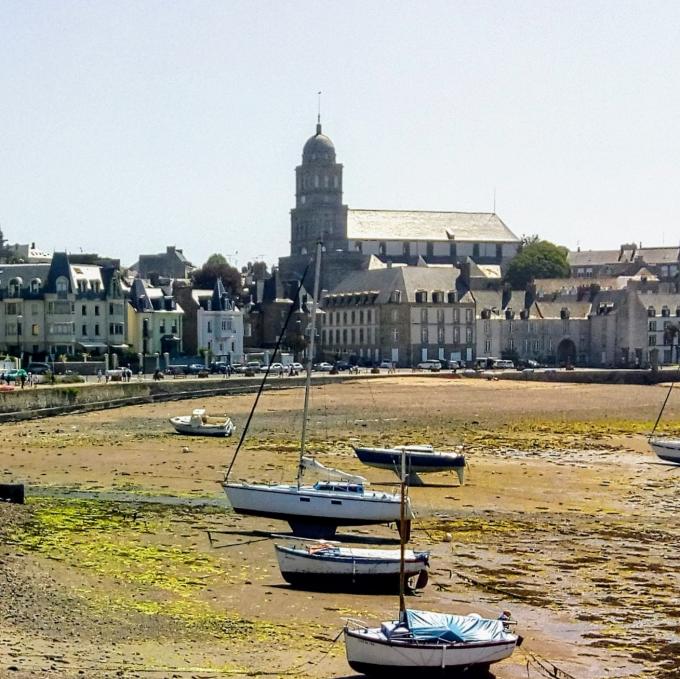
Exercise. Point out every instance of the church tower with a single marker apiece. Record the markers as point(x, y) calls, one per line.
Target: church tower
point(318, 212)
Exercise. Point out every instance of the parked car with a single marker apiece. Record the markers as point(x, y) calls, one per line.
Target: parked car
point(38, 368)
point(432, 366)
point(273, 368)
point(323, 367)
point(387, 365)
point(196, 368)
point(455, 365)
point(220, 367)
point(342, 365)
point(297, 367)
point(503, 364)
point(527, 363)
point(170, 370)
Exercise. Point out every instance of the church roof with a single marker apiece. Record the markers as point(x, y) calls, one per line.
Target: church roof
point(431, 226)
point(318, 147)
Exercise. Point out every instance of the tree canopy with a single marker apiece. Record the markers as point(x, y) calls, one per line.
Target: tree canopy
point(216, 266)
point(537, 259)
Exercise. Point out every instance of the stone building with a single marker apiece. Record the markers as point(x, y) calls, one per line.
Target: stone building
point(169, 264)
point(59, 308)
point(662, 262)
point(212, 322)
point(402, 314)
point(352, 236)
point(154, 319)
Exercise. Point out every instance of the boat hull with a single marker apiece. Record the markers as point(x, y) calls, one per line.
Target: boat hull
point(418, 462)
point(183, 425)
point(666, 449)
point(307, 506)
point(368, 652)
point(349, 570)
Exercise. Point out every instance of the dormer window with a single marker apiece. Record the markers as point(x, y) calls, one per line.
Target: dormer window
point(61, 284)
point(15, 287)
point(421, 297)
point(564, 313)
point(451, 296)
point(36, 283)
point(395, 297)
point(651, 311)
point(438, 297)
point(665, 311)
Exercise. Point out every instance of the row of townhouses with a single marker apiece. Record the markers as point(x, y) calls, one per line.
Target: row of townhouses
point(59, 308)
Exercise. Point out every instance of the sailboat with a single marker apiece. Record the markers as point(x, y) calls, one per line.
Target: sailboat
point(423, 643)
point(665, 448)
point(316, 510)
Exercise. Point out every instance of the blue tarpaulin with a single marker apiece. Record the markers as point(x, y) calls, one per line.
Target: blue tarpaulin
point(425, 625)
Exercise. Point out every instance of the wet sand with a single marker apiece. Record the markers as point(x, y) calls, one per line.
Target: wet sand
point(565, 518)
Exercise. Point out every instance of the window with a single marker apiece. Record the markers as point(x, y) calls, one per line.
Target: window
point(451, 297)
point(11, 308)
point(353, 317)
point(352, 335)
point(395, 335)
point(456, 335)
point(421, 297)
point(652, 341)
point(368, 316)
point(361, 335)
point(344, 335)
point(83, 310)
point(84, 330)
point(395, 297)
point(161, 326)
point(438, 297)
point(423, 315)
point(35, 330)
point(96, 309)
point(487, 327)
point(323, 336)
point(487, 346)
point(209, 327)
point(337, 337)
point(511, 344)
point(475, 251)
point(361, 316)
point(424, 336)
point(652, 326)
point(440, 316)
point(440, 335)
point(344, 318)
point(394, 315)
point(15, 287)
point(35, 286)
point(96, 329)
point(61, 284)
point(468, 335)
point(468, 316)
point(456, 315)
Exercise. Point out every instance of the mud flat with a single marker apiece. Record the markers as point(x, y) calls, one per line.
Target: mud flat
point(566, 519)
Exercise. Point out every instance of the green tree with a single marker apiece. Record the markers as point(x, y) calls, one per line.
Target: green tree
point(216, 266)
point(537, 259)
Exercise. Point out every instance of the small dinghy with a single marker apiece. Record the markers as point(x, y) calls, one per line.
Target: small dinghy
point(419, 459)
point(330, 568)
point(201, 424)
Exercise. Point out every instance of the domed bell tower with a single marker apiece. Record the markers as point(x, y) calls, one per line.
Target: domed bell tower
point(318, 212)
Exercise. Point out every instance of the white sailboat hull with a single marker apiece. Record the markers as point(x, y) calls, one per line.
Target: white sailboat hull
point(666, 449)
point(370, 652)
point(341, 568)
point(310, 505)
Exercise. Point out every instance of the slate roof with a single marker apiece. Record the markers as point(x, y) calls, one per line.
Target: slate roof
point(406, 279)
point(26, 272)
point(590, 257)
point(428, 226)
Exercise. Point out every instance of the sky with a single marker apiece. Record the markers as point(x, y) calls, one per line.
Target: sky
point(126, 127)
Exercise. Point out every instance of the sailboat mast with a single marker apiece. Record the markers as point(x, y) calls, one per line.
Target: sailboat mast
point(310, 358)
point(402, 538)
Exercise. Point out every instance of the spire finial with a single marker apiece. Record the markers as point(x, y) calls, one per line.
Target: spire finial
point(318, 115)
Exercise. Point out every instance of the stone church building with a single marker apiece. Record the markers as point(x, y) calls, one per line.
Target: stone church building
point(351, 236)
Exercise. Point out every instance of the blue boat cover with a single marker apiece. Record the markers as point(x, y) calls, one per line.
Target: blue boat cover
point(425, 626)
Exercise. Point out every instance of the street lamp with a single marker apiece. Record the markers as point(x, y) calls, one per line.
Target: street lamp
point(20, 319)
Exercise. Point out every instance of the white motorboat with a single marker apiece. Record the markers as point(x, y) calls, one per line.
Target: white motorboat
point(666, 449)
point(426, 644)
point(199, 423)
point(315, 510)
point(329, 567)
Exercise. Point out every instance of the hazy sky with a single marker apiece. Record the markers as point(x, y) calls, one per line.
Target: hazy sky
point(129, 126)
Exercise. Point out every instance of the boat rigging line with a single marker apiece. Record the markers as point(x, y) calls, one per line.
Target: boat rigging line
point(291, 311)
point(668, 395)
